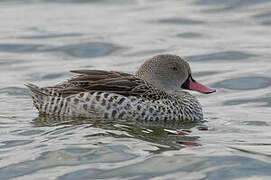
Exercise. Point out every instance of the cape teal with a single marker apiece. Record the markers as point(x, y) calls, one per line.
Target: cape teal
point(155, 92)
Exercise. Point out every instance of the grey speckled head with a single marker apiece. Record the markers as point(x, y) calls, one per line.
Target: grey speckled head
point(170, 73)
point(167, 72)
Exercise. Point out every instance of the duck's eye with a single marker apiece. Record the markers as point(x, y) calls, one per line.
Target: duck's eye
point(174, 69)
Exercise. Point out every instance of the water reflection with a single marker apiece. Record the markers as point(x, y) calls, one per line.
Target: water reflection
point(263, 18)
point(211, 168)
point(226, 55)
point(66, 157)
point(86, 50)
point(257, 101)
point(49, 36)
point(170, 135)
point(180, 21)
point(13, 143)
point(189, 35)
point(14, 91)
point(245, 83)
point(19, 48)
point(82, 50)
point(229, 5)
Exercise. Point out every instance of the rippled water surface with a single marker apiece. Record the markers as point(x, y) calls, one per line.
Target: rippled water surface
point(227, 44)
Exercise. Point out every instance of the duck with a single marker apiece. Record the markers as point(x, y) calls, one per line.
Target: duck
point(157, 91)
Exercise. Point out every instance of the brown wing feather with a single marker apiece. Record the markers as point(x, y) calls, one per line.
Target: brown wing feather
point(103, 81)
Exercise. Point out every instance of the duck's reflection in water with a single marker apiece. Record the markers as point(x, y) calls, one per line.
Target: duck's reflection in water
point(166, 135)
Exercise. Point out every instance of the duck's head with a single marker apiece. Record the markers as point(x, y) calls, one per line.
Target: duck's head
point(170, 73)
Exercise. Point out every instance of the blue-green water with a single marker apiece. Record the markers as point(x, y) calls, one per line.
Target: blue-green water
point(227, 44)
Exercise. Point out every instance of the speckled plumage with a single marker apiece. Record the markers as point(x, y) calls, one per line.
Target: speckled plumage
point(114, 95)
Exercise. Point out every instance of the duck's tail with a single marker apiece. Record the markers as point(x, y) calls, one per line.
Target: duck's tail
point(38, 95)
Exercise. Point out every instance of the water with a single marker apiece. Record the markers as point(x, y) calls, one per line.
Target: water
point(227, 44)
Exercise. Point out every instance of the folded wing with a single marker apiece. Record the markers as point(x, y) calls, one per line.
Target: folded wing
point(103, 81)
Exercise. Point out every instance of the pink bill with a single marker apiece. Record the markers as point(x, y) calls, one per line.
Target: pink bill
point(193, 85)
